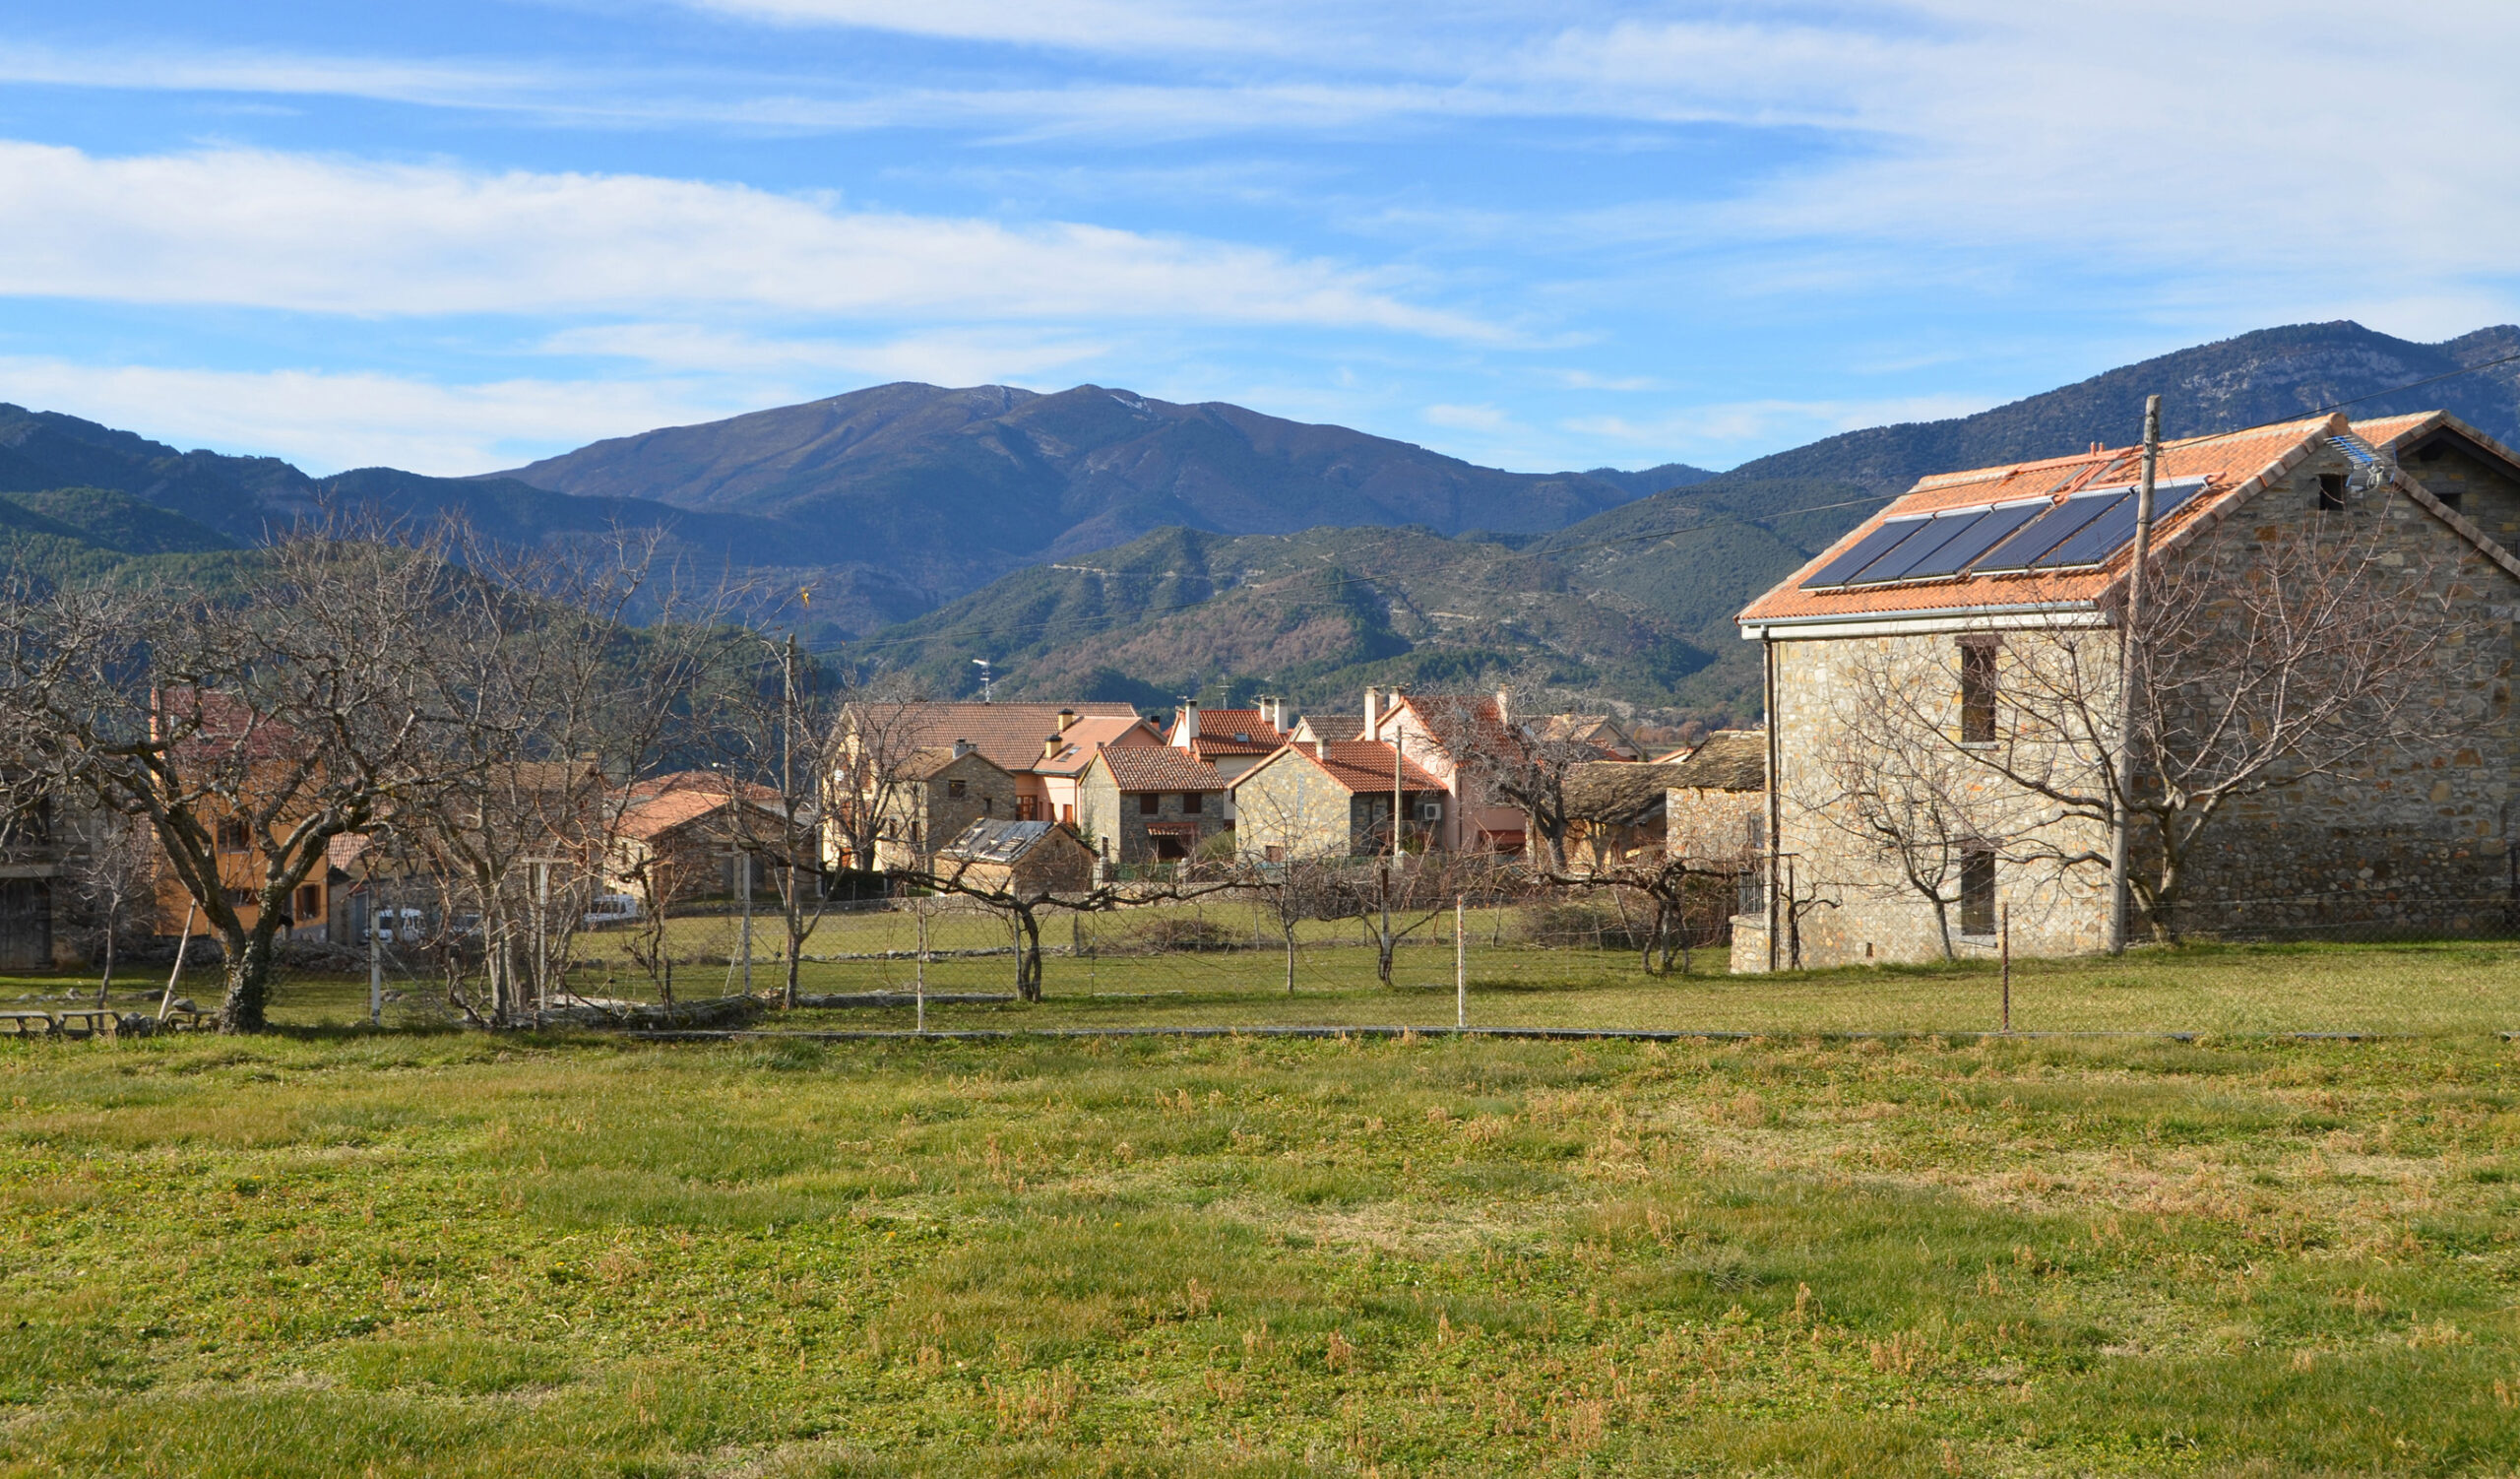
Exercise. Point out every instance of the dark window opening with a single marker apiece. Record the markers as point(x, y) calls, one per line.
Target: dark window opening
point(2449, 497)
point(1976, 890)
point(1977, 693)
point(1169, 849)
point(1149, 804)
point(956, 788)
point(232, 837)
point(2331, 491)
point(1189, 804)
point(310, 904)
point(988, 804)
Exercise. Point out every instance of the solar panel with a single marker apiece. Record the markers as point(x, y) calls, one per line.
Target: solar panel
point(2045, 533)
point(1981, 534)
point(2114, 529)
point(1871, 547)
point(1920, 546)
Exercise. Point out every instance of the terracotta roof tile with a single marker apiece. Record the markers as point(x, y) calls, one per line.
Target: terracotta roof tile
point(1086, 735)
point(1159, 767)
point(1009, 733)
point(2233, 467)
point(1357, 765)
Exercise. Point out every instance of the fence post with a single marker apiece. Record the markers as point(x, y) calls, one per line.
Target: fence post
point(921, 979)
point(1461, 966)
point(2003, 939)
point(375, 961)
point(743, 870)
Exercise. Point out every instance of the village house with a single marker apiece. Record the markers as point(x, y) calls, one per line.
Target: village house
point(1151, 803)
point(1044, 746)
point(1616, 813)
point(1717, 805)
point(1334, 799)
point(1312, 728)
point(1030, 859)
point(262, 760)
point(1419, 722)
point(693, 834)
point(47, 850)
point(935, 794)
point(1232, 740)
point(1069, 750)
point(1959, 595)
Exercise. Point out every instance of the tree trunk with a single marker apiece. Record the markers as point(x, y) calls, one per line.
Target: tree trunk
point(114, 922)
point(250, 980)
point(1383, 942)
point(1027, 955)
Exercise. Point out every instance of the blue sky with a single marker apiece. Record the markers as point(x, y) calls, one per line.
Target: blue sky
point(457, 236)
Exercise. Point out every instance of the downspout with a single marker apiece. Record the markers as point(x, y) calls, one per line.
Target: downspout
point(1775, 812)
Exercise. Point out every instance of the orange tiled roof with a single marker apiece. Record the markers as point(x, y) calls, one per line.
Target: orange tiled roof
point(1088, 735)
point(2234, 468)
point(1234, 731)
point(1009, 733)
point(1159, 767)
point(668, 801)
point(1356, 766)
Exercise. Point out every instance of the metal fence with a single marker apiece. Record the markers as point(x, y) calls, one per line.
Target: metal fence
point(1510, 954)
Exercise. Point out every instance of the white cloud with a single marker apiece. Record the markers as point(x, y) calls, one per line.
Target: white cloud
point(1470, 418)
point(1722, 431)
point(942, 357)
point(326, 423)
point(1089, 25)
point(277, 230)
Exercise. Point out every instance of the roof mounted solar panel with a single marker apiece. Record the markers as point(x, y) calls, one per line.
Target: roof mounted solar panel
point(1921, 547)
point(1864, 552)
point(2045, 533)
point(2114, 529)
point(1992, 527)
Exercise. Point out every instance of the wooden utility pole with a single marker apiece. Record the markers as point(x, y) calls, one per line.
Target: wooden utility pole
point(2121, 815)
point(1460, 964)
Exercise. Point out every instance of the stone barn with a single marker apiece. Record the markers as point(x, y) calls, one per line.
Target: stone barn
point(1025, 858)
point(1931, 787)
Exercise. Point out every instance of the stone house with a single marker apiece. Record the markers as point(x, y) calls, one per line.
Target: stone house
point(687, 835)
point(1044, 746)
point(1718, 803)
point(1031, 859)
point(46, 852)
point(937, 793)
point(1616, 813)
point(1151, 803)
point(1973, 589)
point(1232, 740)
point(1412, 722)
point(1334, 799)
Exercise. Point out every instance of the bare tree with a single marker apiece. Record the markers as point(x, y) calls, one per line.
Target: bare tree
point(113, 883)
point(1501, 761)
point(2261, 659)
point(246, 732)
point(781, 732)
point(877, 723)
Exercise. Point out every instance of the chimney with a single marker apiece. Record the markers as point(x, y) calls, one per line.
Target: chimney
point(1050, 747)
point(1321, 749)
point(1373, 710)
point(1066, 718)
point(1188, 728)
point(962, 747)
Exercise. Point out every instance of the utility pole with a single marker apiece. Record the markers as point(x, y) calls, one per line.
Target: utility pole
point(375, 961)
point(788, 810)
point(2121, 815)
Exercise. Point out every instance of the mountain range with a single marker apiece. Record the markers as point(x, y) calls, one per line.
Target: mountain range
point(1094, 543)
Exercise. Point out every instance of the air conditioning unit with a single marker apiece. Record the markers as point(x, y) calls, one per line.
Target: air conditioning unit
point(1431, 811)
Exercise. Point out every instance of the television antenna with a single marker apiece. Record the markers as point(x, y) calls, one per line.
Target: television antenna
point(988, 680)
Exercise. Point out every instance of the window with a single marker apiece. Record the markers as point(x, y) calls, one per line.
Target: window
point(2331, 491)
point(956, 788)
point(231, 836)
point(988, 804)
point(1026, 809)
point(1978, 693)
point(310, 904)
point(1976, 889)
point(1189, 804)
point(2449, 497)
point(242, 898)
point(1149, 804)
point(1274, 852)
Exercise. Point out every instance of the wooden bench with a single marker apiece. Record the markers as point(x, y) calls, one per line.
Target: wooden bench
point(28, 1023)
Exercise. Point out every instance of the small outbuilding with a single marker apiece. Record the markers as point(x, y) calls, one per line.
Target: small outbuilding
point(1025, 858)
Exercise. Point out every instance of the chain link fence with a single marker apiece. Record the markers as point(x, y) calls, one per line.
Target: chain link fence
point(1499, 950)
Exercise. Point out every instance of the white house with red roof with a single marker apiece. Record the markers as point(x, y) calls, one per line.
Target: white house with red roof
point(1973, 580)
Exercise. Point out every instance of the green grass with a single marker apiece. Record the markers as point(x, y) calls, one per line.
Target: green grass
point(444, 1254)
point(2465, 986)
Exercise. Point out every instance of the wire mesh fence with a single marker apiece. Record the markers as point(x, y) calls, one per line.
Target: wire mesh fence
point(1513, 952)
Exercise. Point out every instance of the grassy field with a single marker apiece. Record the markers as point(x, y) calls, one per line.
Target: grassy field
point(2461, 987)
point(336, 1252)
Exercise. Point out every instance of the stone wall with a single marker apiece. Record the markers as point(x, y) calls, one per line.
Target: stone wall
point(1291, 806)
point(2412, 841)
point(1118, 825)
